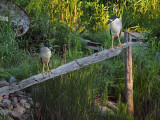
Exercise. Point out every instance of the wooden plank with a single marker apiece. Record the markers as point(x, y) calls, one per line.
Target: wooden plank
point(128, 76)
point(72, 66)
point(135, 36)
point(90, 43)
point(96, 49)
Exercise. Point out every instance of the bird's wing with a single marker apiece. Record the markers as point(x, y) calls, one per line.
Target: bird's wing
point(120, 29)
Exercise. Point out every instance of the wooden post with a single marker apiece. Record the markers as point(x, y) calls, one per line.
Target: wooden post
point(128, 76)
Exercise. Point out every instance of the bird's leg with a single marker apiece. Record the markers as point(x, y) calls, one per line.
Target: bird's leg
point(43, 70)
point(112, 43)
point(120, 43)
point(49, 71)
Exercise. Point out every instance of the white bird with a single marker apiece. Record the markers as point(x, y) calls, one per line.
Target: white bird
point(115, 29)
point(45, 55)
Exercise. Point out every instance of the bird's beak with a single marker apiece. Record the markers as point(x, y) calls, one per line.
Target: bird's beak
point(51, 48)
point(109, 21)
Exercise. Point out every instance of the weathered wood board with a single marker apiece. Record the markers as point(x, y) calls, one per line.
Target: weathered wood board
point(72, 66)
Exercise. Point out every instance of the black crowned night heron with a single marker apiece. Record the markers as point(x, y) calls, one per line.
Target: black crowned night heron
point(115, 29)
point(45, 55)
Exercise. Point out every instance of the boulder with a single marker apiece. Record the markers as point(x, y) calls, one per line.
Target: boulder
point(3, 83)
point(12, 80)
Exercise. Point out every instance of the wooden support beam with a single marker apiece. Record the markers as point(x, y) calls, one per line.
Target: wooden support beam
point(128, 76)
point(69, 67)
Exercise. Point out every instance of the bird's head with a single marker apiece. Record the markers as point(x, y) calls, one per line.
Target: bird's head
point(113, 18)
point(48, 46)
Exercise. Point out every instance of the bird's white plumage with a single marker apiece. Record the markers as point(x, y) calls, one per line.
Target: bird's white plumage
point(116, 27)
point(45, 54)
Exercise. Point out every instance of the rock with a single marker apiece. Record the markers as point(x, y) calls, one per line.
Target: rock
point(26, 117)
point(15, 104)
point(1, 104)
point(30, 99)
point(31, 102)
point(12, 80)
point(27, 105)
point(1, 99)
point(6, 103)
point(3, 83)
point(9, 118)
point(6, 96)
point(5, 112)
point(12, 95)
point(16, 115)
point(22, 102)
point(19, 93)
point(20, 109)
point(15, 99)
point(10, 107)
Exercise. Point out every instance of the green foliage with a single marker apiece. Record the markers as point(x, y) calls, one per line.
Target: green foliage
point(4, 117)
point(4, 74)
point(146, 76)
point(96, 17)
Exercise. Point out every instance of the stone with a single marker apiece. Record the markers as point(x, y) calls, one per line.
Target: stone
point(27, 105)
point(1, 104)
point(26, 117)
point(19, 93)
point(10, 107)
point(16, 115)
point(1, 99)
point(15, 104)
point(6, 103)
point(20, 109)
point(6, 96)
point(5, 112)
point(3, 83)
point(30, 99)
point(12, 80)
point(22, 102)
point(9, 118)
point(31, 102)
point(14, 99)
